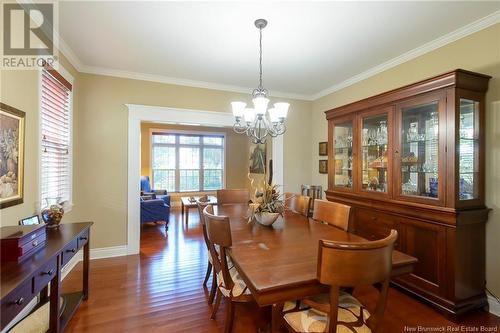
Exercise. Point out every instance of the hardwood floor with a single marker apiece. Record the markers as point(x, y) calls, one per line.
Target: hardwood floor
point(160, 290)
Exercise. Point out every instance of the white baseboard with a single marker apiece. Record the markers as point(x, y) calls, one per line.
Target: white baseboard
point(494, 306)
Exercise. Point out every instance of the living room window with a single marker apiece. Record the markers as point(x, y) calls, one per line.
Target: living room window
point(187, 162)
point(55, 130)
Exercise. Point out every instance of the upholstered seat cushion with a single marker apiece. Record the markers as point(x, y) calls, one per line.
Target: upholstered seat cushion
point(239, 288)
point(352, 316)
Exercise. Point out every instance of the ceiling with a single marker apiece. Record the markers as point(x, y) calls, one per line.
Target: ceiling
point(308, 46)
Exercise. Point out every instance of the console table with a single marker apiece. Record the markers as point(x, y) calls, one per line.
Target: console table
point(21, 282)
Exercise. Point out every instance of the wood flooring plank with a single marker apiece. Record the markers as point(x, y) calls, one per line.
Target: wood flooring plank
point(160, 290)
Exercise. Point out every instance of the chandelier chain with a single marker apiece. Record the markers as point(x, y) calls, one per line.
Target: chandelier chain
point(260, 59)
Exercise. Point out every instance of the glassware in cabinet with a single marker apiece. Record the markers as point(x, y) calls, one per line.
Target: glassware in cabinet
point(374, 148)
point(343, 154)
point(419, 158)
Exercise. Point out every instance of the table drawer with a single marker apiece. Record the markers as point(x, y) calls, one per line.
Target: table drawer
point(69, 251)
point(13, 303)
point(83, 239)
point(44, 275)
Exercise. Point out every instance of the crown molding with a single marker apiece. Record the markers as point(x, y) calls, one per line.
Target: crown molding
point(462, 32)
point(69, 54)
point(184, 82)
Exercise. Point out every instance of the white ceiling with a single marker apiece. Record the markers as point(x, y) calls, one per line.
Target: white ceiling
point(308, 46)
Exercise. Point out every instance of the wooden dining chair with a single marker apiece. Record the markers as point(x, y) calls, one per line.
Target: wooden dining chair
point(201, 206)
point(231, 286)
point(346, 265)
point(333, 213)
point(233, 196)
point(298, 203)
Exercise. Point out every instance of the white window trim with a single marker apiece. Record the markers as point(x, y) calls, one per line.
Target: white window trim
point(68, 77)
point(173, 131)
point(158, 114)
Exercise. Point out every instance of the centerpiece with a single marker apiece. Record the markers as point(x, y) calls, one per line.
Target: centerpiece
point(268, 204)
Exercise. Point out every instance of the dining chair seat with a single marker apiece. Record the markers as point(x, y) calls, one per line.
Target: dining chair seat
point(211, 260)
point(239, 287)
point(352, 316)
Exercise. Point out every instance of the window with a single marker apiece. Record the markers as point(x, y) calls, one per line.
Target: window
point(55, 126)
point(187, 162)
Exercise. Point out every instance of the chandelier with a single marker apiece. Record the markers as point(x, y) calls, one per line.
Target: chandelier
point(259, 122)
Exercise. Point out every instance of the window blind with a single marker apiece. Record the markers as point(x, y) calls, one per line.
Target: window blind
point(56, 137)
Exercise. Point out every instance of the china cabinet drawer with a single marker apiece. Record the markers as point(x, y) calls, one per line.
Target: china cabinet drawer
point(69, 251)
point(373, 225)
point(16, 301)
point(44, 275)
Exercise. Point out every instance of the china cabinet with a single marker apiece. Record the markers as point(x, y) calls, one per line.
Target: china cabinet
point(412, 159)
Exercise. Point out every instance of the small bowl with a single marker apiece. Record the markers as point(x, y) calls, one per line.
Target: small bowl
point(266, 218)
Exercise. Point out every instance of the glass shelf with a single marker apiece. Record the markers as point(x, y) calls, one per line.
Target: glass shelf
point(468, 149)
point(374, 140)
point(342, 149)
point(419, 150)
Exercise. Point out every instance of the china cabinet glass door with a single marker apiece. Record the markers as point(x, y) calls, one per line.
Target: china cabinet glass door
point(343, 154)
point(375, 143)
point(420, 151)
point(468, 131)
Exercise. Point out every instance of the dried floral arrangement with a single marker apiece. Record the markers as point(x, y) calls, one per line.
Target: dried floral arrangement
point(267, 198)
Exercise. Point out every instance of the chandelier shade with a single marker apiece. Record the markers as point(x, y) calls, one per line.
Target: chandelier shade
point(259, 122)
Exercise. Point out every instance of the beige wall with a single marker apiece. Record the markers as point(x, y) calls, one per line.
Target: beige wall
point(101, 176)
point(236, 151)
point(479, 52)
point(19, 89)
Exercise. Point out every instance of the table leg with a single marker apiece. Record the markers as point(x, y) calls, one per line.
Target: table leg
point(44, 294)
point(182, 211)
point(276, 317)
point(86, 270)
point(187, 215)
point(55, 293)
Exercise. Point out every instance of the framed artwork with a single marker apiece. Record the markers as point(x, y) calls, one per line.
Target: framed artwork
point(257, 158)
point(323, 166)
point(11, 156)
point(323, 149)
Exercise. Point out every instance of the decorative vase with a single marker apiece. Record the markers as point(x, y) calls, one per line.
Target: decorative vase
point(53, 212)
point(266, 218)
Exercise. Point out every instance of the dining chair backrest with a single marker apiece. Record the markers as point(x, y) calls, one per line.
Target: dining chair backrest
point(233, 196)
point(201, 206)
point(347, 264)
point(333, 213)
point(298, 203)
point(219, 234)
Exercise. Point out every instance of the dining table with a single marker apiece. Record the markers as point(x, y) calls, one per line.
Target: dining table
point(279, 262)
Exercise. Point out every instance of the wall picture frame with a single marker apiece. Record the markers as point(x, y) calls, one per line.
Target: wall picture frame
point(12, 128)
point(323, 166)
point(257, 158)
point(323, 149)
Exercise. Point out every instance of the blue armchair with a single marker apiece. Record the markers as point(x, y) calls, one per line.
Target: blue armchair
point(155, 205)
point(154, 210)
point(146, 190)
